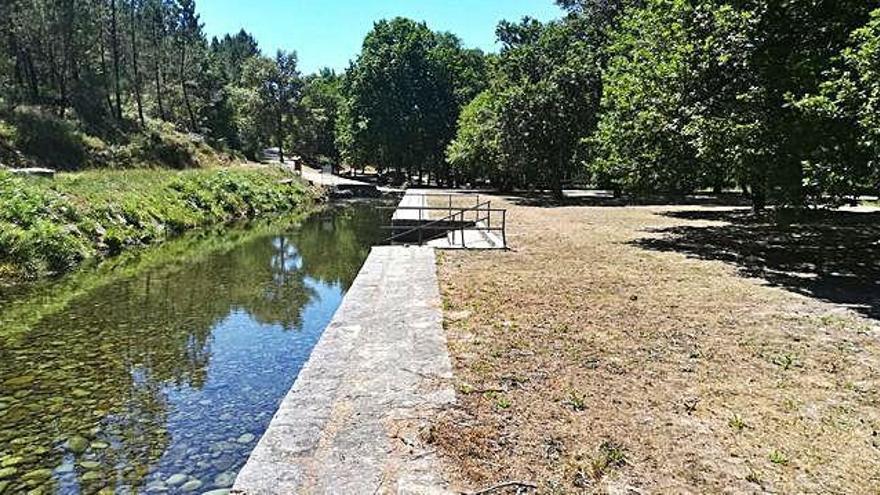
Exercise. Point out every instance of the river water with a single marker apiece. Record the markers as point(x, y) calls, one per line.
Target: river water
point(161, 372)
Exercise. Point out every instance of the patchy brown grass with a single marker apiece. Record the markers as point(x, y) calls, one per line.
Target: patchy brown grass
point(586, 362)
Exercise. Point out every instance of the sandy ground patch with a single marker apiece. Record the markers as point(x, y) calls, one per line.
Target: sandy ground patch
point(588, 362)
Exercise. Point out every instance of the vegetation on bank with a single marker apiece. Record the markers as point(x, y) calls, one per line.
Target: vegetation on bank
point(47, 227)
point(31, 136)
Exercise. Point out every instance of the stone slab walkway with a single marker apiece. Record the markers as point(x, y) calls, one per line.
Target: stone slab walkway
point(412, 200)
point(351, 422)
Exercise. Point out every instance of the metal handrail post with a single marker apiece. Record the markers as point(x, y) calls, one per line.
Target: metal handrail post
point(463, 246)
point(504, 228)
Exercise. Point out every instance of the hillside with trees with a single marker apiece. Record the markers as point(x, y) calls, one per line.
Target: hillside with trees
point(119, 83)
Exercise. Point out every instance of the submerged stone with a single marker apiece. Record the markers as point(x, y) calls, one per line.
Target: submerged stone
point(19, 381)
point(222, 491)
point(11, 460)
point(36, 476)
point(98, 445)
point(7, 472)
point(191, 486)
point(156, 487)
point(91, 476)
point(77, 444)
point(246, 438)
point(80, 393)
point(176, 479)
point(224, 480)
point(65, 469)
point(90, 464)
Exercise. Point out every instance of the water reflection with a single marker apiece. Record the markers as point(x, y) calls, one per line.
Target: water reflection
point(165, 380)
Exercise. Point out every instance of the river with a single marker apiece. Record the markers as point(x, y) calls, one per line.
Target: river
point(161, 372)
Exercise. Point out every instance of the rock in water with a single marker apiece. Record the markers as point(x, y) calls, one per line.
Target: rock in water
point(19, 381)
point(246, 438)
point(156, 487)
point(36, 476)
point(91, 476)
point(11, 460)
point(224, 480)
point(191, 486)
point(77, 444)
point(176, 479)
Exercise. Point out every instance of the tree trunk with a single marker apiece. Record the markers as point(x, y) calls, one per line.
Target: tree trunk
point(115, 47)
point(557, 178)
point(280, 136)
point(759, 198)
point(134, 63)
point(102, 49)
point(189, 110)
point(157, 60)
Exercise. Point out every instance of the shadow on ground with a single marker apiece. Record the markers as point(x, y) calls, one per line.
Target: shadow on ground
point(606, 198)
point(833, 256)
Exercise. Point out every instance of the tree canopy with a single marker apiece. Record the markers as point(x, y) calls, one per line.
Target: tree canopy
point(403, 96)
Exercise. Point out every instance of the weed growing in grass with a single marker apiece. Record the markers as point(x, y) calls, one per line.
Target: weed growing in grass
point(737, 423)
point(752, 477)
point(611, 455)
point(502, 402)
point(777, 457)
point(785, 361)
point(576, 401)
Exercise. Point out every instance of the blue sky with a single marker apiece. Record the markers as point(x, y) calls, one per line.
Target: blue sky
point(328, 33)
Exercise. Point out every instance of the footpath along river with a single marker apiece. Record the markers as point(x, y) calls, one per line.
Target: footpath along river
point(163, 380)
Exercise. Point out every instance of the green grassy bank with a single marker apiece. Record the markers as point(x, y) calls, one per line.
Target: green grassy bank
point(49, 226)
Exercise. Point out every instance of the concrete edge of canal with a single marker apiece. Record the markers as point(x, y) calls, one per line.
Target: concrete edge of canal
point(351, 422)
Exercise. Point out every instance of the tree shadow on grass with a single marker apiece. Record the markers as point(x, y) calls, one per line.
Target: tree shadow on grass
point(606, 198)
point(832, 256)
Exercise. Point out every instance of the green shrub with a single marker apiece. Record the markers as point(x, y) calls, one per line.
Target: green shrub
point(49, 140)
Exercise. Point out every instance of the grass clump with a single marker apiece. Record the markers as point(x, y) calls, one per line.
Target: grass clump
point(576, 401)
point(779, 458)
point(48, 227)
point(611, 455)
point(737, 423)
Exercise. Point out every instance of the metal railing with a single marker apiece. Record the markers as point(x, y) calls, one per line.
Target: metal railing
point(455, 222)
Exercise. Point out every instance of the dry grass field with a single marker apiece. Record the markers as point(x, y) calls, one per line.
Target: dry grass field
point(680, 349)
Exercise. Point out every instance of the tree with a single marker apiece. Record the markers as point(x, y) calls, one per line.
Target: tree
point(232, 51)
point(321, 102)
point(476, 152)
point(544, 96)
point(403, 96)
point(847, 162)
point(274, 89)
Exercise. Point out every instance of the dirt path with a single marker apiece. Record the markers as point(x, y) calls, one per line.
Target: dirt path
point(587, 361)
